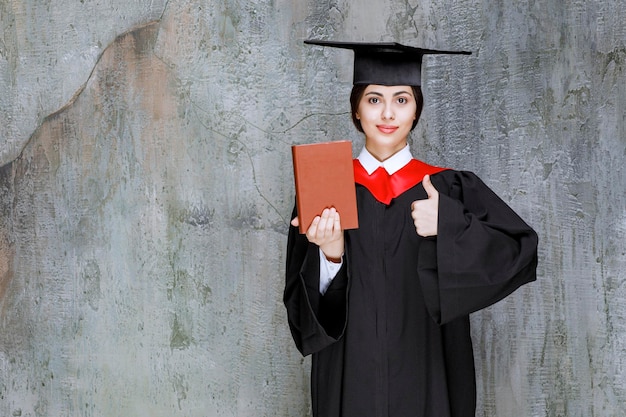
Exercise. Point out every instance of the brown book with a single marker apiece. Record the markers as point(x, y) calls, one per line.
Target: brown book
point(324, 177)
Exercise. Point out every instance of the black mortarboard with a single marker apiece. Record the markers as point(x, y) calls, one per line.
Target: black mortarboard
point(385, 63)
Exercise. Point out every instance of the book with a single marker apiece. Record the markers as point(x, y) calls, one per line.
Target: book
point(324, 178)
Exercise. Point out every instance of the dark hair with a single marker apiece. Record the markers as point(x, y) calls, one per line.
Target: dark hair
point(357, 93)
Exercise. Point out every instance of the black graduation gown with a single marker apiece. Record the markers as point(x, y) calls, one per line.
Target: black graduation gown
point(391, 336)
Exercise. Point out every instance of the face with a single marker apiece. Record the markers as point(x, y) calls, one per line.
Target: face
point(386, 114)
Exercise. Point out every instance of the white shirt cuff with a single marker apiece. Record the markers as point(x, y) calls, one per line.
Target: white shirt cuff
point(328, 271)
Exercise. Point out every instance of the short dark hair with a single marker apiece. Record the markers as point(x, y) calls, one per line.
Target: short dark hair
point(357, 93)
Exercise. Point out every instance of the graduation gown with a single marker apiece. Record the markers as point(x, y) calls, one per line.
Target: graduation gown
point(391, 336)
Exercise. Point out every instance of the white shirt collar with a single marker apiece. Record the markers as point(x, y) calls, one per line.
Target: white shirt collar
point(391, 164)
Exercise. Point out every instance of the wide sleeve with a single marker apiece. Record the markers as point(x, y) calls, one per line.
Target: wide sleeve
point(483, 250)
point(316, 321)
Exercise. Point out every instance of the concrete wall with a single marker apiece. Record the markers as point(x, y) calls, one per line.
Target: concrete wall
point(146, 189)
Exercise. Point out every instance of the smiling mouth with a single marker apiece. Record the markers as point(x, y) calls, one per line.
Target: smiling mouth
point(387, 129)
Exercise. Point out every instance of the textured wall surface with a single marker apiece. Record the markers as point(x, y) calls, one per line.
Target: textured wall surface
point(145, 192)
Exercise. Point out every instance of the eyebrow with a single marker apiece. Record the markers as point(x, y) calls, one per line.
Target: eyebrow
point(398, 93)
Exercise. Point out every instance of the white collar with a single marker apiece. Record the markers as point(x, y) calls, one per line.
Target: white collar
point(391, 164)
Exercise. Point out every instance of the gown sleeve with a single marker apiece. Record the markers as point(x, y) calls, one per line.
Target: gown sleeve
point(483, 250)
point(315, 320)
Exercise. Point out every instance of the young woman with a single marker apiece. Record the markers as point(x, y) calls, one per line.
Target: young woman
point(384, 309)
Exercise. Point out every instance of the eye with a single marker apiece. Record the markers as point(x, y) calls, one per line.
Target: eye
point(403, 100)
point(373, 100)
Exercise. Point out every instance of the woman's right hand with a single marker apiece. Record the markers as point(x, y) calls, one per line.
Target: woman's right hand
point(325, 231)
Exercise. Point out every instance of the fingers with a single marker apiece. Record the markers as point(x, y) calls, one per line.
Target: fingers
point(325, 227)
point(425, 217)
point(326, 221)
point(295, 222)
point(329, 223)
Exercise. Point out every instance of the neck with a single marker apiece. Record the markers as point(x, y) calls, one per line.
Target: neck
point(383, 154)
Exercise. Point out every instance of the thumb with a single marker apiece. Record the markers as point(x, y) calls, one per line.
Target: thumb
point(429, 187)
point(295, 222)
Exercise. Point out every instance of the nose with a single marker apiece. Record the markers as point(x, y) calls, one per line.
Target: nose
point(388, 113)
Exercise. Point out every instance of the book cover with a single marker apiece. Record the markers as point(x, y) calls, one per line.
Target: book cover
point(324, 178)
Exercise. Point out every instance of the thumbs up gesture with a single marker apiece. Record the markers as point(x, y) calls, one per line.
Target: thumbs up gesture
point(425, 213)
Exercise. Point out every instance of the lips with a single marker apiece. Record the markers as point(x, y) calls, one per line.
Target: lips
point(386, 128)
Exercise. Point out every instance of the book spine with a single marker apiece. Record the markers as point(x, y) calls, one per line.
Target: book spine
point(294, 155)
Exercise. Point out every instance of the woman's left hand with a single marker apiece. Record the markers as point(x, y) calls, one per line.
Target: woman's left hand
point(425, 213)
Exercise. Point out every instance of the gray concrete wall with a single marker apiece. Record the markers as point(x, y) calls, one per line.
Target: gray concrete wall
point(146, 189)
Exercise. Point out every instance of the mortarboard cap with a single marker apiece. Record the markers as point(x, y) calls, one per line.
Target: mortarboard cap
point(385, 63)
